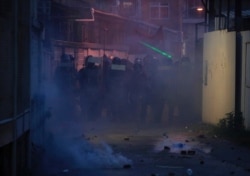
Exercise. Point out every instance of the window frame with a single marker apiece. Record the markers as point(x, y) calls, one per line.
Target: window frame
point(159, 6)
point(128, 7)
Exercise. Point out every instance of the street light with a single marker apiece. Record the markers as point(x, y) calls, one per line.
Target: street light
point(199, 9)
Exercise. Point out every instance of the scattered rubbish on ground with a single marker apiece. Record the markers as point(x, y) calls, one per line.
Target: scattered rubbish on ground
point(66, 170)
point(171, 174)
point(165, 135)
point(167, 148)
point(201, 136)
point(169, 167)
point(202, 162)
point(189, 172)
point(126, 139)
point(126, 166)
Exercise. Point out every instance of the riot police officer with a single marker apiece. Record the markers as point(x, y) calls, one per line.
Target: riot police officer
point(89, 81)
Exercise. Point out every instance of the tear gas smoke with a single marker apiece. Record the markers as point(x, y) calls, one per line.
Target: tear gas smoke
point(66, 145)
point(79, 153)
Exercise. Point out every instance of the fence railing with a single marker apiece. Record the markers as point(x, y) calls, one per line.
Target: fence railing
point(14, 127)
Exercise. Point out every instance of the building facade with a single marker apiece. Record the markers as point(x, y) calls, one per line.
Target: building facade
point(33, 40)
point(119, 27)
point(226, 62)
point(21, 100)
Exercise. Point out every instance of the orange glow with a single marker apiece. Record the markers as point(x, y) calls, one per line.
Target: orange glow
point(199, 9)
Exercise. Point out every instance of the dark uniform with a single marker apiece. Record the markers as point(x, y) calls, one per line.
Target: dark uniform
point(104, 87)
point(117, 95)
point(89, 81)
point(167, 88)
point(137, 92)
point(151, 94)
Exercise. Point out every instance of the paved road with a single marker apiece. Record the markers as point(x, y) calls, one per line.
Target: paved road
point(115, 149)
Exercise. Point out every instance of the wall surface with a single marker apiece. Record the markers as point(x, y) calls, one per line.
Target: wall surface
point(218, 75)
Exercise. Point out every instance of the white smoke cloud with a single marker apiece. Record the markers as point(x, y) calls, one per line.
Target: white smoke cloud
point(101, 156)
point(68, 144)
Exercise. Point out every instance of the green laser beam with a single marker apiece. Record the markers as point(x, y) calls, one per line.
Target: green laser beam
point(156, 50)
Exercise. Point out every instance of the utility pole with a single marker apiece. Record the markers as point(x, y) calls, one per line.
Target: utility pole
point(182, 52)
point(105, 39)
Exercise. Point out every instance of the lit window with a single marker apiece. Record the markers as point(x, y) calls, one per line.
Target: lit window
point(127, 4)
point(159, 10)
point(128, 7)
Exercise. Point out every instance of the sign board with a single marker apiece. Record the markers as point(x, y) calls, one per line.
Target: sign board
point(118, 67)
point(96, 60)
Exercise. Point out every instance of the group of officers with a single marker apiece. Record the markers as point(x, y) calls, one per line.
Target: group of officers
point(124, 91)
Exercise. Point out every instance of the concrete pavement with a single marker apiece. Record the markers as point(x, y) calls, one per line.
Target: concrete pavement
point(124, 149)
